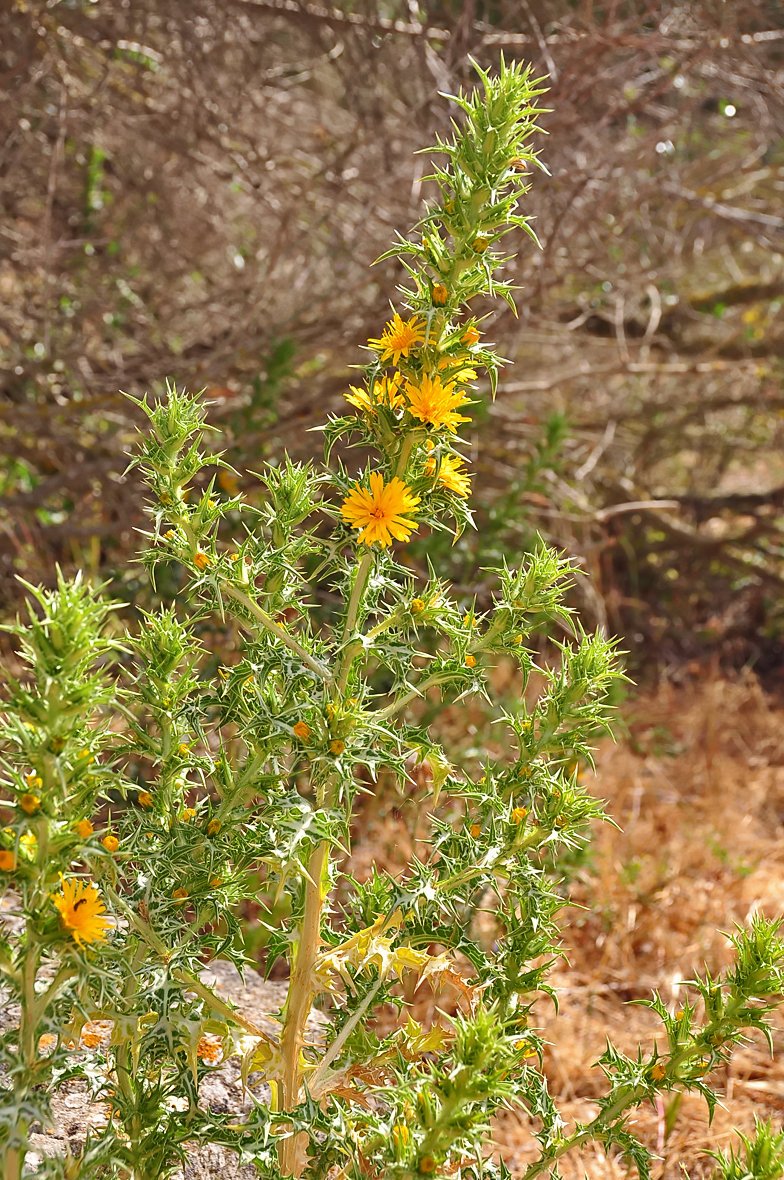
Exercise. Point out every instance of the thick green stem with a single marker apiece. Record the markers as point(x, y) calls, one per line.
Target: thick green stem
point(205, 993)
point(299, 1001)
point(405, 451)
point(357, 592)
point(351, 650)
point(275, 629)
point(414, 694)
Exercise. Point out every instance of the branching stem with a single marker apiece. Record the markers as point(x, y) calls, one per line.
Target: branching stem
point(275, 629)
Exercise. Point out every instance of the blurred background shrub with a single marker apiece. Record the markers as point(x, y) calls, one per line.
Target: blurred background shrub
point(198, 191)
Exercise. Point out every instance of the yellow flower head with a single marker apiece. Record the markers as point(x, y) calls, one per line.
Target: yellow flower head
point(201, 560)
point(144, 799)
point(379, 511)
point(216, 882)
point(337, 747)
point(209, 1049)
point(470, 661)
point(479, 245)
point(180, 895)
point(7, 861)
point(84, 829)
point(519, 814)
point(439, 294)
point(470, 336)
point(427, 1165)
point(436, 404)
point(398, 338)
point(110, 843)
point(450, 475)
point(658, 1070)
point(475, 830)
point(213, 827)
point(29, 803)
point(417, 606)
point(33, 781)
point(302, 731)
point(227, 482)
point(188, 814)
point(385, 392)
point(81, 911)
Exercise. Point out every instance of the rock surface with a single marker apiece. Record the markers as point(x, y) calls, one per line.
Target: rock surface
point(221, 1090)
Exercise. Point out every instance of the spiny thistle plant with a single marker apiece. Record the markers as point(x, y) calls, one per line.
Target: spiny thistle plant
point(147, 788)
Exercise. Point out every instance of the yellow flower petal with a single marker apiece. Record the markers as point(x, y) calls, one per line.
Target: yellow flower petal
point(398, 338)
point(81, 911)
point(379, 511)
point(436, 404)
point(450, 474)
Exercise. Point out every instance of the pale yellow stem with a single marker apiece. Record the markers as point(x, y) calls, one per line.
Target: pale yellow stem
point(300, 1000)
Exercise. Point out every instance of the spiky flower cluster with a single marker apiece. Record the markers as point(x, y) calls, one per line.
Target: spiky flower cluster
point(419, 381)
point(150, 787)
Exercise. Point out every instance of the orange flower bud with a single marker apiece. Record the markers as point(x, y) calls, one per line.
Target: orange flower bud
point(110, 843)
point(84, 829)
point(7, 861)
point(302, 731)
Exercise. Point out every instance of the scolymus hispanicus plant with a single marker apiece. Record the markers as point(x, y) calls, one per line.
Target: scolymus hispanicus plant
point(146, 791)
